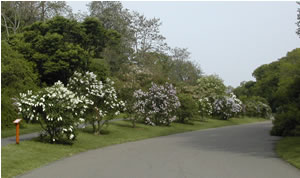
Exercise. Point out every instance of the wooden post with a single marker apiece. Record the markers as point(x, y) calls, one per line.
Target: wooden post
point(17, 122)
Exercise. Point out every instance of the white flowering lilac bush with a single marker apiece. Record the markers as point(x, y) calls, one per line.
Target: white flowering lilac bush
point(226, 107)
point(56, 108)
point(105, 103)
point(205, 106)
point(158, 105)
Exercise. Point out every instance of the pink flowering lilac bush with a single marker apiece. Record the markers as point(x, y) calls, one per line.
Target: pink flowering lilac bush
point(158, 105)
point(56, 108)
point(105, 103)
point(226, 107)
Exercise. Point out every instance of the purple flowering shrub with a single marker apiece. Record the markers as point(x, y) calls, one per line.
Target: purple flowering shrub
point(158, 105)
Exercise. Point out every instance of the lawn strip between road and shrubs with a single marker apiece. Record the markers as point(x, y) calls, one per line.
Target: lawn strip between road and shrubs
point(288, 148)
point(31, 154)
point(28, 128)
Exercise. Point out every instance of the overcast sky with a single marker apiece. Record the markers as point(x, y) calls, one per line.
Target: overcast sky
point(229, 39)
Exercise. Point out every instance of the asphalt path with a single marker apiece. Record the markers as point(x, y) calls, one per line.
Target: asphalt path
point(244, 151)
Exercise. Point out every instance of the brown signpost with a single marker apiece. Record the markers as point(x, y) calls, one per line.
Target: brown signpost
point(17, 122)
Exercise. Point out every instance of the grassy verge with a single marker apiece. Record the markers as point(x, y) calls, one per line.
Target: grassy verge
point(18, 159)
point(288, 148)
point(27, 128)
point(30, 128)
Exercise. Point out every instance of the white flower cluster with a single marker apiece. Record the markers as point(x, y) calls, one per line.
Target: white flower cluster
point(157, 105)
point(227, 106)
point(102, 95)
point(55, 107)
point(205, 106)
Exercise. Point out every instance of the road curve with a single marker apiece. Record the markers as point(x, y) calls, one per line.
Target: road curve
point(244, 151)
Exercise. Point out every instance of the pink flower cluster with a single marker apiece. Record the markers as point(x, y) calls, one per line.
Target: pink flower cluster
point(157, 106)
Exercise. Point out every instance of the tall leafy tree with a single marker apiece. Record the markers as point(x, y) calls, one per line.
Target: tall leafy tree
point(17, 14)
point(95, 36)
point(17, 75)
point(210, 86)
point(60, 46)
point(147, 35)
point(246, 89)
point(278, 83)
point(114, 17)
point(182, 69)
point(50, 9)
point(55, 46)
point(298, 21)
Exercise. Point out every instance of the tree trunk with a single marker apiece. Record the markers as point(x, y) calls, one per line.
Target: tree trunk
point(99, 127)
point(43, 11)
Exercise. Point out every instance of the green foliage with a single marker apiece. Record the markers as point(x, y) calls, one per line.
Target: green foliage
point(287, 123)
point(115, 53)
point(17, 75)
point(55, 47)
point(256, 107)
point(100, 68)
point(8, 112)
point(94, 36)
point(188, 108)
point(117, 20)
point(245, 89)
point(61, 46)
point(278, 82)
point(17, 14)
point(274, 79)
point(184, 71)
point(267, 77)
point(210, 86)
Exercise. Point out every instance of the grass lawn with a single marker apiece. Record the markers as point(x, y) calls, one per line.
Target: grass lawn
point(30, 128)
point(25, 129)
point(288, 148)
point(28, 155)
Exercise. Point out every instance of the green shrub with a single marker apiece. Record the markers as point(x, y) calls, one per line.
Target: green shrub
point(17, 75)
point(99, 67)
point(188, 108)
point(287, 123)
point(8, 113)
point(254, 108)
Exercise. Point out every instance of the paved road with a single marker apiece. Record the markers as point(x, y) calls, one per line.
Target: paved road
point(244, 151)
